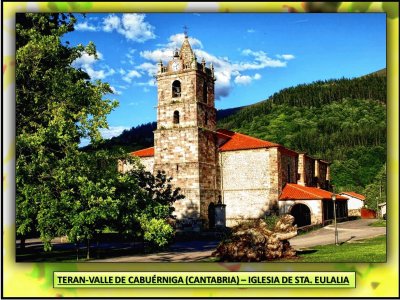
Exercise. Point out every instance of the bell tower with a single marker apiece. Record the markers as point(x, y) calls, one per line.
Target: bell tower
point(185, 141)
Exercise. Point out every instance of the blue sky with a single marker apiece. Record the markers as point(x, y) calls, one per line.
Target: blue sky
point(254, 55)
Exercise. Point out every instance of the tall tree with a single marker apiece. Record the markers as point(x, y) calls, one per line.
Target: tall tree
point(56, 106)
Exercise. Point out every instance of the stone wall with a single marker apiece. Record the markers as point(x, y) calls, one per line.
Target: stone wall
point(289, 167)
point(245, 184)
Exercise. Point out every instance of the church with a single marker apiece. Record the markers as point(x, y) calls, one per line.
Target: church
point(226, 175)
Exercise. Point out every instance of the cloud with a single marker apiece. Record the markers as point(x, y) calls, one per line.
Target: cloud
point(115, 91)
point(226, 71)
point(131, 26)
point(85, 27)
point(166, 51)
point(150, 82)
point(149, 68)
point(112, 131)
point(250, 30)
point(261, 61)
point(86, 62)
point(111, 22)
point(286, 56)
point(246, 79)
point(130, 75)
point(242, 79)
point(129, 56)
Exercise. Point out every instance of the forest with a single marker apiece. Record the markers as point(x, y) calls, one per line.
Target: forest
point(340, 120)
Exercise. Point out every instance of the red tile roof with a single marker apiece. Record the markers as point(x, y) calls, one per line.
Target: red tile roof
point(144, 152)
point(238, 141)
point(298, 192)
point(230, 141)
point(355, 195)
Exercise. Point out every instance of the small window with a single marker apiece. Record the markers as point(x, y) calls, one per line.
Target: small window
point(205, 91)
point(176, 117)
point(176, 89)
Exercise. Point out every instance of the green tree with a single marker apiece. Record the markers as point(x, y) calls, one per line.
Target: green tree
point(145, 201)
point(56, 106)
point(375, 192)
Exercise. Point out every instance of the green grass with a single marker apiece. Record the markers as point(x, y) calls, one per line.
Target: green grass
point(365, 251)
point(379, 223)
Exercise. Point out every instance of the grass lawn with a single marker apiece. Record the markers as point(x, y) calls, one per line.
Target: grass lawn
point(379, 223)
point(369, 250)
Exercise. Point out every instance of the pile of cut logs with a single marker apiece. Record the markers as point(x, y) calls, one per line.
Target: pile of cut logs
point(253, 241)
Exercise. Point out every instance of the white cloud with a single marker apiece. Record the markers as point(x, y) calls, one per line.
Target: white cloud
point(131, 26)
point(246, 79)
point(115, 91)
point(242, 79)
point(250, 30)
point(86, 62)
point(129, 56)
point(226, 71)
point(150, 82)
point(112, 131)
point(146, 90)
point(130, 75)
point(166, 51)
point(85, 27)
point(111, 22)
point(149, 68)
point(286, 56)
point(261, 61)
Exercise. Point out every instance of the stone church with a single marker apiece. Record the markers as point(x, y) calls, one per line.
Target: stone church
point(247, 177)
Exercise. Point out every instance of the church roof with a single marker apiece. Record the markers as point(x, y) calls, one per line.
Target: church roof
point(144, 152)
point(293, 191)
point(229, 141)
point(354, 195)
point(238, 141)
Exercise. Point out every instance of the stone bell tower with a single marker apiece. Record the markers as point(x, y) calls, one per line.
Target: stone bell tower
point(185, 143)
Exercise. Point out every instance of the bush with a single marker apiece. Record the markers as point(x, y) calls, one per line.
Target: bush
point(157, 232)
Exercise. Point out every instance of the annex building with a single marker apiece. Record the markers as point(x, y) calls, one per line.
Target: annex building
point(250, 178)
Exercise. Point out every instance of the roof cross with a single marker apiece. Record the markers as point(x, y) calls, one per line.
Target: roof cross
point(185, 31)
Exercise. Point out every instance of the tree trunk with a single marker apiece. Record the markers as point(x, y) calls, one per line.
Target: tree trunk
point(88, 249)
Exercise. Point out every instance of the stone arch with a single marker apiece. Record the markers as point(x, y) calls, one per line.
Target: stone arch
point(176, 117)
point(211, 215)
point(301, 214)
point(176, 89)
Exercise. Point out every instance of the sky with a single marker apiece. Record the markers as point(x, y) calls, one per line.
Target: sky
point(254, 54)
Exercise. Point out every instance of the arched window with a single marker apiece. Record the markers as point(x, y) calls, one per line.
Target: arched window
point(176, 117)
point(176, 88)
point(205, 91)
